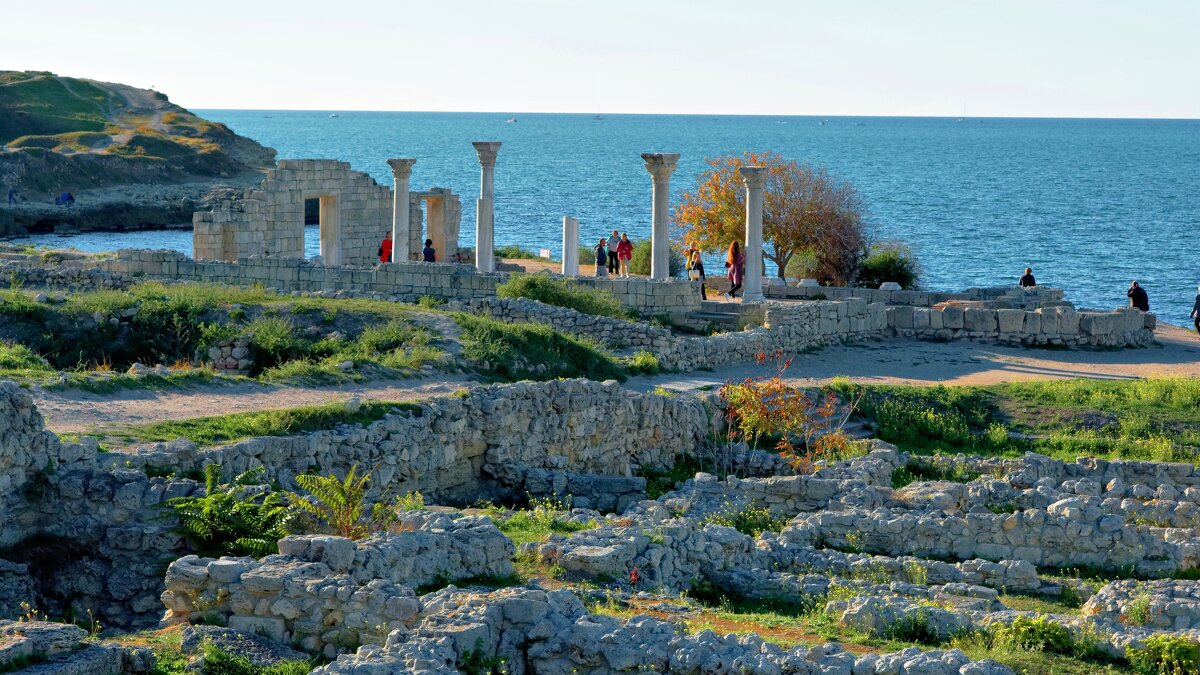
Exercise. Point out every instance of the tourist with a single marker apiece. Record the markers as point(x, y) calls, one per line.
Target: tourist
point(625, 253)
point(456, 258)
point(614, 265)
point(735, 262)
point(601, 258)
point(1028, 281)
point(695, 267)
point(12, 196)
point(1138, 298)
point(428, 254)
point(385, 248)
point(1196, 312)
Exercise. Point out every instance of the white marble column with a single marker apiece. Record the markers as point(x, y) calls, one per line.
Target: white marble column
point(755, 177)
point(485, 214)
point(401, 171)
point(661, 166)
point(570, 247)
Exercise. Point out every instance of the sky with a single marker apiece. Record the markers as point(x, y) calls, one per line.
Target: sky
point(985, 58)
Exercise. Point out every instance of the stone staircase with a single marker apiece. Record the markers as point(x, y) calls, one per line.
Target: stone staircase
point(722, 315)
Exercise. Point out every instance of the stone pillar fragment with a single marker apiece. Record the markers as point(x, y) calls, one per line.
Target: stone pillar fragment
point(755, 178)
point(570, 247)
point(485, 258)
point(661, 166)
point(401, 171)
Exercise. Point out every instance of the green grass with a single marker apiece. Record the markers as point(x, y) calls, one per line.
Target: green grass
point(542, 518)
point(530, 351)
point(173, 323)
point(222, 429)
point(563, 293)
point(1153, 419)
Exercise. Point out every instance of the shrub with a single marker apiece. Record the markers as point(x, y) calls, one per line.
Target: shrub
point(1040, 633)
point(640, 262)
point(563, 293)
point(888, 262)
point(532, 351)
point(340, 503)
point(515, 252)
point(747, 520)
point(20, 357)
point(1165, 655)
point(273, 342)
point(643, 362)
point(233, 519)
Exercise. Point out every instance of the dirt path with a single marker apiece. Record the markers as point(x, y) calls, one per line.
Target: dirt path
point(81, 412)
point(898, 361)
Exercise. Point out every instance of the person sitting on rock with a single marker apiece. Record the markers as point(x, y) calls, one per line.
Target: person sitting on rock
point(1138, 298)
point(428, 254)
point(1028, 281)
point(385, 248)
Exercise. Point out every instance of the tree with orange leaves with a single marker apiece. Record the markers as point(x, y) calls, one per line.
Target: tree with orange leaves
point(806, 210)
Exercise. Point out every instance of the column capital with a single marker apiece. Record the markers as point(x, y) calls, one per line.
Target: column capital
point(660, 164)
point(755, 177)
point(487, 151)
point(401, 168)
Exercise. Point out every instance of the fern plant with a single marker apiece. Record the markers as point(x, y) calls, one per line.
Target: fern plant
point(340, 503)
point(228, 521)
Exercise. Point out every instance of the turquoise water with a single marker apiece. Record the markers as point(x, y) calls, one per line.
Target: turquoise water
point(1089, 204)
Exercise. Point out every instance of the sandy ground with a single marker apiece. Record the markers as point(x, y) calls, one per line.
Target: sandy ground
point(76, 411)
point(897, 361)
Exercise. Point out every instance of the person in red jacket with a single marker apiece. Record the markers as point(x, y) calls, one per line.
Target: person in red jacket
point(385, 248)
point(625, 253)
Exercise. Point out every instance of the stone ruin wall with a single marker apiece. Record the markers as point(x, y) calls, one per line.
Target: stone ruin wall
point(269, 220)
point(495, 440)
point(404, 281)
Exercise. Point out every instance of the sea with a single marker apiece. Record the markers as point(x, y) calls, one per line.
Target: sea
point(1089, 204)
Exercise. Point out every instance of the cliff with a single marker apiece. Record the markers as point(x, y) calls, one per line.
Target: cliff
point(82, 136)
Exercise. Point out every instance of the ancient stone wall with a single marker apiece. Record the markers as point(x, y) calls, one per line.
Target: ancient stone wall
point(403, 281)
point(269, 220)
point(1061, 326)
point(1008, 296)
point(286, 597)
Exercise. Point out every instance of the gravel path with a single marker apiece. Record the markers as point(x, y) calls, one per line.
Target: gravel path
point(76, 411)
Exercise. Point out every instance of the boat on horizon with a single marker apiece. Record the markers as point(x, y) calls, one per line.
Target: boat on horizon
point(333, 114)
point(511, 120)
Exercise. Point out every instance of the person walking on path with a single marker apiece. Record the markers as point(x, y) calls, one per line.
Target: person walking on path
point(614, 265)
point(625, 253)
point(428, 254)
point(385, 248)
point(1196, 312)
point(696, 265)
point(1138, 298)
point(735, 263)
point(602, 258)
point(12, 196)
point(1028, 281)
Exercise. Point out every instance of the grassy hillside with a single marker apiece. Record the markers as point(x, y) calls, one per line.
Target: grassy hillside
point(70, 133)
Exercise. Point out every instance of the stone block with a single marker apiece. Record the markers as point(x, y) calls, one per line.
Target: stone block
point(1010, 320)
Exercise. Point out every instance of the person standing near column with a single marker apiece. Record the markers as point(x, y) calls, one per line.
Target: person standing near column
point(614, 265)
point(625, 253)
point(601, 250)
point(385, 248)
point(735, 261)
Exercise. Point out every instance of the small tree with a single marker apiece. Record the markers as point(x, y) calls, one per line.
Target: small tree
point(805, 209)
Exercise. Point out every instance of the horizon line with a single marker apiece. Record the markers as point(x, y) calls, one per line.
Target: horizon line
point(698, 114)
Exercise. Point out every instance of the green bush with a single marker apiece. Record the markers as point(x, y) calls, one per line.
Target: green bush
point(563, 293)
point(888, 262)
point(1038, 633)
point(532, 351)
point(218, 661)
point(802, 265)
point(232, 520)
point(273, 342)
point(515, 252)
point(643, 362)
point(20, 357)
point(1165, 655)
point(747, 520)
point(640, 262)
